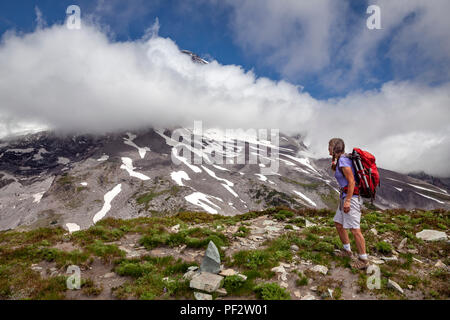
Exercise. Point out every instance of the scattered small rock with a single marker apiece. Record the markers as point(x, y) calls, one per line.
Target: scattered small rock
point(313, 288)
point(319, 268)
point(374, 231)
point(330, 291)
point(431, 235)
point(279, 269)
point(108, 275)
point(242, 276)
point(175, 228)
point(402, 244)
point(440, 264)
point(394, 258)
point(190, 275)
point(309, 224)
point(297, 294)
point(202, 296)
point(417, 260)
point(221, 292)
point(394, 285)
point(308, 297)
point(227, 272)
point(377, 261)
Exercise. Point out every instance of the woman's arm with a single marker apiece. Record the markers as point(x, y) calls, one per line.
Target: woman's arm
point(348, 173)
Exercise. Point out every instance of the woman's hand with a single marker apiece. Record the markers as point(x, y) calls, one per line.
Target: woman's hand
point(347, 205)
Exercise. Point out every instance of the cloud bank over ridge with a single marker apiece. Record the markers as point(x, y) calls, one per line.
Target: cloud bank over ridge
point(81, 80)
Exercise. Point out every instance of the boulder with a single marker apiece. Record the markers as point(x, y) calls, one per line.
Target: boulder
point(211, 260)
point(431, 235)
point(206, 281)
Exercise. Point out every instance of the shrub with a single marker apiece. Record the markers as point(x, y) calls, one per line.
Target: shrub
point(383, 247)
point(233, 283)
point(271, 291)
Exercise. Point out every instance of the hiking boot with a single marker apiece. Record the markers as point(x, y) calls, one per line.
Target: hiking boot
point(360, 264)
point(343, 253)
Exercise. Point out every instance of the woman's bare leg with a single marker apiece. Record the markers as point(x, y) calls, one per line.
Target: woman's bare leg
point(343, 235)
point(360, 242)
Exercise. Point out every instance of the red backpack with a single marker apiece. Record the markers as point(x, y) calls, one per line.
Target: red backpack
point(367, 176)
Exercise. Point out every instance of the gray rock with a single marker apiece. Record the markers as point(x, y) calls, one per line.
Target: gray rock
point(202, 296)
point(193, 268)
point(394, 285)
point(320, 268)
point(206, 281)
point(227, 272)
point(211, 261)
point(440, 264)
point(243, 277)
point(308, 297)
point(190, 275)
point(294, 247)
point(221, 292)
point(431, 235)
point(109, 275)
point(402, 244)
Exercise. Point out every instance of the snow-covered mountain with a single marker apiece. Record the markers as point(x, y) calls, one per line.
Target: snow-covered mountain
point(74, 181)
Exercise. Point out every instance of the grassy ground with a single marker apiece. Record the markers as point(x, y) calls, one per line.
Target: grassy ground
point(161, 278)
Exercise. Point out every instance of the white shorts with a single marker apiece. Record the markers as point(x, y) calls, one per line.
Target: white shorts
point(351, 219)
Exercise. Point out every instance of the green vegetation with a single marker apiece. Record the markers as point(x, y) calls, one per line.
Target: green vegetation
point(271, 291)
point(383, 247)
point(146, 198)
point(27, 257)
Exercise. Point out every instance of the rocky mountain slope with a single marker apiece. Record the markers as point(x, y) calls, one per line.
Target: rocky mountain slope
point(74, 181)
point(272, 254)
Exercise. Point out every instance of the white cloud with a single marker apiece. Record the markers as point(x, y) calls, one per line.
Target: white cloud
point(299, 39)
point(81, 80)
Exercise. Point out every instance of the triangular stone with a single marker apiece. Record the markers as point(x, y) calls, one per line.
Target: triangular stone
point(211, 261)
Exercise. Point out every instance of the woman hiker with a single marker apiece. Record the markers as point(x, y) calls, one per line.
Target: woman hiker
point(348, 214)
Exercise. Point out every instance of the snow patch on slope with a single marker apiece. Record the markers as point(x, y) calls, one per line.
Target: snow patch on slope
point(305, 198)
point(178, 176)
point(109, 196)
point(202, 200)
point(128, 166)
point(129, 141)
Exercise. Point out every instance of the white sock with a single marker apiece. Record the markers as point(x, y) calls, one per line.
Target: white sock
point(363, 256)
point(347, 247)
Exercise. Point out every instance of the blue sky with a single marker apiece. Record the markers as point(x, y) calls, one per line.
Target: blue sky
point(205, 27)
